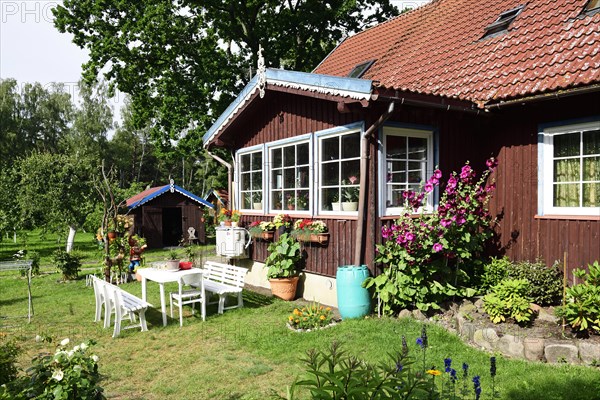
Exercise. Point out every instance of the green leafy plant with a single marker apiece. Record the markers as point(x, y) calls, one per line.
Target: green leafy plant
point(173, 255)
point(310, 317)
point(494, 272)
point(68, 264)
point(284, 257)
point(68, 374)
point(509, 299)
point(258, 227)
point(582, 308)
point(8, 359)
point(430, 259)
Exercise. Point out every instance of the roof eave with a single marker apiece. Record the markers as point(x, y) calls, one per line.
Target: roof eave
point(303, 82)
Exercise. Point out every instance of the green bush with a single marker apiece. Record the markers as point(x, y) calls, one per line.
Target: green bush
point(582, 308)
point(8, 358)
point(509, 299)
point(68, 264)
point(545, 283)
point(494, 272)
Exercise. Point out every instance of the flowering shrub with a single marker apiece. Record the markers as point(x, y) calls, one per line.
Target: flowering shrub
point(229, 215)
point(310, 317)
point(333, 374)
point(428, 259)
point(68, 374)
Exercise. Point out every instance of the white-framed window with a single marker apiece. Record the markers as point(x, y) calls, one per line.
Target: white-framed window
point(570, 170)
point(406, 162)
point(251, 179)
point(339, 171)
point(290, 177)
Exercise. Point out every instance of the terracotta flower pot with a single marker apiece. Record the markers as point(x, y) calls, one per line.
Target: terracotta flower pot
point(284, 288)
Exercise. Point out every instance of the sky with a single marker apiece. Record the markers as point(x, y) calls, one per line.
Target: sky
point(32, 50)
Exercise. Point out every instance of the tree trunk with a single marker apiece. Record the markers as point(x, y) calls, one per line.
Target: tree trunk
point(71, 238)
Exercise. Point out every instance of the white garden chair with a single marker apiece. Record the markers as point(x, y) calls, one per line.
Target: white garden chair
point(191, 296)
point(192, 238)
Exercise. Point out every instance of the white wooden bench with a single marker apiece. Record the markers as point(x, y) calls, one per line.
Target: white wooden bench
point(223, 280)
point(124, 304)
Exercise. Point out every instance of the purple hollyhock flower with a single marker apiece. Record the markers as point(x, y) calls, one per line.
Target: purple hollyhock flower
point(386, 232)
point(466, 173)
point(410, 237)
point(460, 220)
point(491, 163)
point(446, 223)
point(437, 247)
point(428, 187)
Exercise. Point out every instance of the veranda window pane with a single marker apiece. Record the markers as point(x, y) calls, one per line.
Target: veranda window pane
point(395, 198)
point(351, 169)
point(245, 181)
point(414, 188)
point(289, 156)
point(276, 158)
point(302, 153)
point(289, 179)
point(276, 200)
point(277, 180)
point(566, 170)
point(245, 161)
point(591, 169)
point(351, 146)
point(330, 195)
point(247, 200)
point(396, 171)
point(566, 195)
point(566, 145)
point(591, 142)
point(331, 173)
point(331, 149)
point(415, 172)
point(302, 200)
point(256, 197)
point(591, 194)
point(396, 147)
point(290, 199)
point(417, 148)
point(256, 161)
point(256, 180)
point(302, 178)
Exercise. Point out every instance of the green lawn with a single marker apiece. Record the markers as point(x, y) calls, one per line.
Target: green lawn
point(244, 353)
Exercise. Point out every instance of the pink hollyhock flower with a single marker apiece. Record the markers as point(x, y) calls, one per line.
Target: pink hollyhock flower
point(460, 220)
point(437, 247)
point(466, 173)
point(491, 163)
point(428, 187)
point(386, 232)
point(437, 174)
point(446, 223)
point(410, 237)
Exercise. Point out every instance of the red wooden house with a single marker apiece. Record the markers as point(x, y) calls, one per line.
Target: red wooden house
point(451, 81)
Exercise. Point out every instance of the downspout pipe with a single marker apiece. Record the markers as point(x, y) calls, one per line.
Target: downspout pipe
point(229, 176)
point(364, 168)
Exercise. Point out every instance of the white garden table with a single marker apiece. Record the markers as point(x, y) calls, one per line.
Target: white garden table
point(162, 276)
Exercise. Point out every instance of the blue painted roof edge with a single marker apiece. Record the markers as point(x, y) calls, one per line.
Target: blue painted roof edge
point(361, 87)
point(166, 188)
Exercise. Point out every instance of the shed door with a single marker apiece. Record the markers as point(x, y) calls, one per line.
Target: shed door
point(152, 226)
point(172, 226)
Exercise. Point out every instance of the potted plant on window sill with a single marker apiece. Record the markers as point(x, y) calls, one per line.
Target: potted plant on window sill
point(335, 202)
point(308, 230)
point(282, 266)
point(350, 194)
point(257, 201)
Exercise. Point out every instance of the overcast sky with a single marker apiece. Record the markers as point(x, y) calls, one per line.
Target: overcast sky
point(32, 50)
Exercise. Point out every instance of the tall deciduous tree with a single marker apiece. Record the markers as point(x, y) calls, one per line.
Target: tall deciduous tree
point(182, 61)
point(55, 191)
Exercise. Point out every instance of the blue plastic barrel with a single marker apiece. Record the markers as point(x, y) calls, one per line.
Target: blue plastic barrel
point(354, 300)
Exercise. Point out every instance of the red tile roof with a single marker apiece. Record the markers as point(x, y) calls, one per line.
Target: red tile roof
point(134, 199)
point(438, 49)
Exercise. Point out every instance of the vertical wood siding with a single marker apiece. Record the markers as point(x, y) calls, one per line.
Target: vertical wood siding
point(509, 134)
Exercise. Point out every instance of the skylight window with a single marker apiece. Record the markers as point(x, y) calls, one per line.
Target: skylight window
point(360, 69)
point(503, 22)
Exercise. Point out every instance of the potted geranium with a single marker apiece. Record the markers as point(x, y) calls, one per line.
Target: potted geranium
point(282, 222)
point(282, 266)
point(262, 230)
point(309, 230)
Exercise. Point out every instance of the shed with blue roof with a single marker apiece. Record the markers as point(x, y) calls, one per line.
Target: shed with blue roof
point(163, 214)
